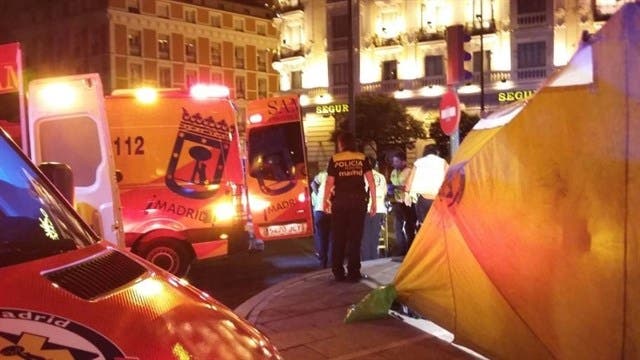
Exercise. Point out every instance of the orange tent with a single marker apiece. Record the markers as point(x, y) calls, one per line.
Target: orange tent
point(532, 247)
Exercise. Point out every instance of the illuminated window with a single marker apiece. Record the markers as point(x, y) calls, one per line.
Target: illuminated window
point(133, 6)
point(164, 76)
point(262, 88)
point(135, 75)
point(190, 50)
point(164, 50)
point(215, 20)
point(240, 87)
point(190, 15)
point(262, 60)
point(134, 42)
point(433, 66)
point(216, 54)
point(390, 70)
point(238, 24)
point(239, 57)
point(162, 9)
point(296, 79)
point(261, 29)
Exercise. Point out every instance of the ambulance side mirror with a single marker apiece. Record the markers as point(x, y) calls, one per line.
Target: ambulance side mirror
point(61, 176)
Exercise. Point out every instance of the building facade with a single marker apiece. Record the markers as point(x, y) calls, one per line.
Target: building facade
point(159, 43)
point(400, 50)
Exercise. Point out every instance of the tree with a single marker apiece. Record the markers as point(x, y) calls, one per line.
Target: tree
point(467, 122)
point(381, 121)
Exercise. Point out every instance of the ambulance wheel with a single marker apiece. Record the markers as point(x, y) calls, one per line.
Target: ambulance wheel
point(170, 255)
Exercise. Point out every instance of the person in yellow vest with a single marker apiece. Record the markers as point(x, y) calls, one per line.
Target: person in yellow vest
point(404, 215)
point(346, 200)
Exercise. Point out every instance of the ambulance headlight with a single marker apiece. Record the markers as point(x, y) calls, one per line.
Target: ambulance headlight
point(223, 211)
point(258, 204)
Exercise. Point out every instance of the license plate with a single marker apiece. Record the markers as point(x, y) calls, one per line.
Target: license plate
point(286, 229)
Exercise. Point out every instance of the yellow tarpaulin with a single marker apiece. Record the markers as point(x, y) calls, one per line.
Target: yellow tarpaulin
point(531, 248)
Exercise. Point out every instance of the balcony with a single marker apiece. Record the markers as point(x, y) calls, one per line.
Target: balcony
point(378, 41)
point(532, 19)
point(422, 35)
point(474, 28)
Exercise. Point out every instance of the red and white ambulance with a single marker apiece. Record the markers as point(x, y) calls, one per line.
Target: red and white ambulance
point(183, 190)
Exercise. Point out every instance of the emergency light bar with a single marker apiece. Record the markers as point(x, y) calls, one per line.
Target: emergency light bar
point(203, 91)
point(58, 95)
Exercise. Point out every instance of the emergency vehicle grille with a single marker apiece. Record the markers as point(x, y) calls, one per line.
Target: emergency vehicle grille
point(98, 276)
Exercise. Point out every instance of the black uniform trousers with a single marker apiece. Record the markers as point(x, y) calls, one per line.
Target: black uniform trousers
point(347, 219)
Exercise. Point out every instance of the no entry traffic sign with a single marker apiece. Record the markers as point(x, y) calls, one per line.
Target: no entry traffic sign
point(449, 111)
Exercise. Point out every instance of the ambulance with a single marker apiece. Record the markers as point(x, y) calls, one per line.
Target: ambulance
point(67, 294)
point(177, 160)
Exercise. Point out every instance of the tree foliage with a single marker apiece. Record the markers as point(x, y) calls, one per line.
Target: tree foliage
point(381, 121)
point(467, 122)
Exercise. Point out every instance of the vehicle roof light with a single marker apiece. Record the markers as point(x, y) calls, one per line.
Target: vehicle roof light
point(58, 95)
point(146, 95)
point(255, 118)
point(204, 91)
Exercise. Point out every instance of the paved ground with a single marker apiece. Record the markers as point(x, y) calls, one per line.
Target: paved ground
point(304, 318)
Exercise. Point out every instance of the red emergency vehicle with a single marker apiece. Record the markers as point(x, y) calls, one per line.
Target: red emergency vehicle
point(176, 155)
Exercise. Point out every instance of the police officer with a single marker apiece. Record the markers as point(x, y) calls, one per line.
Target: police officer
point(346, 201)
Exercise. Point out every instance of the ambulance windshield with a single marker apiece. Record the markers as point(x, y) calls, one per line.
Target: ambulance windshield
point(275, 152)
point(35, 221)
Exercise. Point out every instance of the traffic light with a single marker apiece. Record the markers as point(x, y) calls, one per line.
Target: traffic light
point(456, 55)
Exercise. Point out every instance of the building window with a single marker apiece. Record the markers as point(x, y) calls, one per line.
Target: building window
point(239, 57)
point(238, 24)
point(262, 60)
point(390, 70)
point(191, 77)
point(340, 73)
point(531, 12)
point(261, 29)
point(215, 20)
point(134, 42)
point(162, 10)
point(133, 6)
point(486, 61)
point(339, 32)
point(240, 88)
point(531, 6)
point(296, 79)
point(135, 75)
point(190, 15)
point(262, 88)
point(164, 50)
point(216, 54)
point(216, 78)
point(190, 50)
point(433, 66)
point(531, 55)
point(164, 77)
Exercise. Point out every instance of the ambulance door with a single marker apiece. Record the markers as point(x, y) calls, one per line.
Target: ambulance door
point(277, 179)
point(67, 124)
